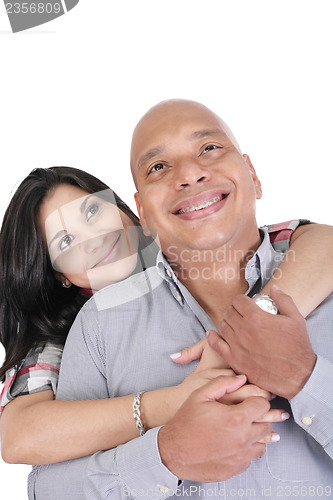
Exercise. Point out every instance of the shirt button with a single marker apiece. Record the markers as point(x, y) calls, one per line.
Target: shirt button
point(169, 273)
point(307, 420)
point(163, 489)
point(178, 297)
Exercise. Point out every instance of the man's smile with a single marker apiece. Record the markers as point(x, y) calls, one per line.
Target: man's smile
point(200, 205)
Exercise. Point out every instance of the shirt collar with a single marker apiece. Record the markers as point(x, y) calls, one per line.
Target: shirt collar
point(258, 271)
point(268, 258)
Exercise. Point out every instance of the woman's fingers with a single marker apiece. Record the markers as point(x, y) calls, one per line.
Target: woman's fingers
point(275, 416)
point(270, 438)
point(190, 353)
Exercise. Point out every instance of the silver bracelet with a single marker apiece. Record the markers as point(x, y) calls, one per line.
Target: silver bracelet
point(136, 413)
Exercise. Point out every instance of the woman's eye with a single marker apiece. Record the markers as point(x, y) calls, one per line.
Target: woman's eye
point(92, 210)
point(66, 241)
point(156, 167)
point(209, 147)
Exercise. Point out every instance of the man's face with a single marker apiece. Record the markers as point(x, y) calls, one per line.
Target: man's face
point(194, 186)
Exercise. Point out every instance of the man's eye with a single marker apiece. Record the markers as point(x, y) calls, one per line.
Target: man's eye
point(66, 241)
point(210, 147)
point(156, 167)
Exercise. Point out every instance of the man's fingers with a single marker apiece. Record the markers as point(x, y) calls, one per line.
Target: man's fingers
point(218, 344)
point(255, 407)
point(274, 416)
point(259, 450)
point(285, 303)
point(247, 391)
point(242, 305)
point(215, 389)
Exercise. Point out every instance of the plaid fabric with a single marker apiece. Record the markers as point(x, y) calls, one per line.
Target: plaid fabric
point(280, 234)
point(39, 371)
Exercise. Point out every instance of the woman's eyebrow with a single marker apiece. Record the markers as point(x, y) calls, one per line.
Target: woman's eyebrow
point(57, 235)
point(84, 203)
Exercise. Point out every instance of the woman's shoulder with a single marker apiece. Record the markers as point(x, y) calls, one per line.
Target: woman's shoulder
point(38, 371)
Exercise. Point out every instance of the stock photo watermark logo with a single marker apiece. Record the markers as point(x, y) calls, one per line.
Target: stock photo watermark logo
point(25, 15)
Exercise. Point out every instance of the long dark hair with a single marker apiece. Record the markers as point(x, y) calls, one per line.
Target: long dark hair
point(34, 306)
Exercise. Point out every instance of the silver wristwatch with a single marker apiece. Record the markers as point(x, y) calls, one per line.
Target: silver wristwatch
point(266, 303)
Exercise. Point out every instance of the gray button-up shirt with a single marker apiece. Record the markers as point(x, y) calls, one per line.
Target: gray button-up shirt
point(120, 344)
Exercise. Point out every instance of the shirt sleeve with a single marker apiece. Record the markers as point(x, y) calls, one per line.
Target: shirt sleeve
point(38, 372)
point(280, 234)
point(131, 470)
point(313, 406)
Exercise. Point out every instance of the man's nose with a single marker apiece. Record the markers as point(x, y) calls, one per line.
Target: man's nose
point(188, 173)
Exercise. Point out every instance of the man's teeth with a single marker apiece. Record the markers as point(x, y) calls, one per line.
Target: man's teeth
point(201, 205)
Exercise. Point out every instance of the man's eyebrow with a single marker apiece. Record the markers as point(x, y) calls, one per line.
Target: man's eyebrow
point(201, 134)
point(149, 155)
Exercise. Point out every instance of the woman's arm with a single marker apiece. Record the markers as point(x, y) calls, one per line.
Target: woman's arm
point(35, 429)
point(306, 273)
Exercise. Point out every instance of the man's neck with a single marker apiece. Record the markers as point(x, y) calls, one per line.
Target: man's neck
point(215, 277)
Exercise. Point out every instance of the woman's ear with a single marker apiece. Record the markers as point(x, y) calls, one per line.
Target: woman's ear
point(63, 280)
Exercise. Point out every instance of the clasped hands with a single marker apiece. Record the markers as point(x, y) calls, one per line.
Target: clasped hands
point(274, 352)
point(207, 441)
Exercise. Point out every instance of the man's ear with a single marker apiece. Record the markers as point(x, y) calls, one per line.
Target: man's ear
point(140, 210)
point(256, 181)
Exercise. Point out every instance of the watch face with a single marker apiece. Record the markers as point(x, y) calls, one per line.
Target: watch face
point(266, 303)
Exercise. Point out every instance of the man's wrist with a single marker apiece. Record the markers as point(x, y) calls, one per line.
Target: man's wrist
point(165, 447)
point(141, 469)
point(303, 376)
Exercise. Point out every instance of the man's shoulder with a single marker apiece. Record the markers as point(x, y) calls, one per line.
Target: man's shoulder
point(133, 288)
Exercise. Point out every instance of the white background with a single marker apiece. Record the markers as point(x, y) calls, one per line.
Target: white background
point(73, 89)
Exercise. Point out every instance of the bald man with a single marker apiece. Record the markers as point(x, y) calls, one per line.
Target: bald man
point(196, 189)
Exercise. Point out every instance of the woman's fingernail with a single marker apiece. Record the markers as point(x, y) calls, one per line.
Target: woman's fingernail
point(275, 437)
point(175, 355)
point(285, 416)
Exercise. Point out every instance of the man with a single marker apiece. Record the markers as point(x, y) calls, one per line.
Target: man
point(198, 191)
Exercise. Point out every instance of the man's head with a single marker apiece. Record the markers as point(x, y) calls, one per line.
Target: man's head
point(195, 188)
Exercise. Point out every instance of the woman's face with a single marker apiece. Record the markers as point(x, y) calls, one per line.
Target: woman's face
point(90, 241)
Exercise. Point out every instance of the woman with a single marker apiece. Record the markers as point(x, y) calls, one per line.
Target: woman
point(48, 272)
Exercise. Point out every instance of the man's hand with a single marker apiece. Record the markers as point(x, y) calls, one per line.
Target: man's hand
point(273, 351)
point(207, 441)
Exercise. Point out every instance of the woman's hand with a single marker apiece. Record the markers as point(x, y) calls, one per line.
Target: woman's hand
point(212, 365)
point(209, 358)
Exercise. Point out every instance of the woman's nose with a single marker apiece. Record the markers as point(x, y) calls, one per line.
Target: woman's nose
point(90, 244)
